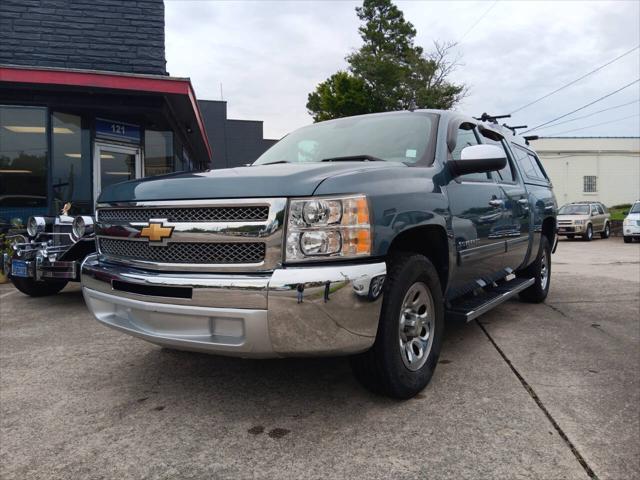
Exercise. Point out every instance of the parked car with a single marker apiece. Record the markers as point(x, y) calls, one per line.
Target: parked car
point(631, 224)
point(348, 237)
point(584, 219)
point(49, 256)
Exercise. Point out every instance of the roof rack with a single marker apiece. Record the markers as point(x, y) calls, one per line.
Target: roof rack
point(514, 128)
point(485, 117)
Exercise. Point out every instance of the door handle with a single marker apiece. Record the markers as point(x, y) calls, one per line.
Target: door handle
point(496, 202)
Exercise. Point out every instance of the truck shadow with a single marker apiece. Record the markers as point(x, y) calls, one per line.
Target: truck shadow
point(276, 388)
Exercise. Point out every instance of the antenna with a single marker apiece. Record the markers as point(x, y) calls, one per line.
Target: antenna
point(221, 96)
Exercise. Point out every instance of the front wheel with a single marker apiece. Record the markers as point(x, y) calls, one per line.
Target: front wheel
point(588, 235)
point(31, 287)
point(606, 232)
point(410, 330)
point(628, 239)
point(540, 271)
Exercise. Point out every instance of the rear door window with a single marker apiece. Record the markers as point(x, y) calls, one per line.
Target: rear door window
point(529, 164)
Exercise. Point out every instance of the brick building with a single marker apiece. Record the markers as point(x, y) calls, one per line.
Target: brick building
point(85, 101)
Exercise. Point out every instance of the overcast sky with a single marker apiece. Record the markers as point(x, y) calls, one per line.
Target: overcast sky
point(269, 55)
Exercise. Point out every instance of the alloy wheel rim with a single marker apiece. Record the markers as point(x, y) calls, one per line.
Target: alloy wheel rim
point(416, 326)
point(589, 231)
point(544, 271)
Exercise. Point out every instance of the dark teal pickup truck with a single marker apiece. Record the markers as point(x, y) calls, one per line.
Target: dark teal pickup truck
point(359, 236)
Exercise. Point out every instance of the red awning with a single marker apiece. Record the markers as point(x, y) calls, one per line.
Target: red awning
point(178, 91)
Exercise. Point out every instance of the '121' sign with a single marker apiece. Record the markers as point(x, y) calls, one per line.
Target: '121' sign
point(127, 132)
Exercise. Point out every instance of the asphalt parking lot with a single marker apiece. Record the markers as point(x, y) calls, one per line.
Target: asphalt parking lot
point(543, 391)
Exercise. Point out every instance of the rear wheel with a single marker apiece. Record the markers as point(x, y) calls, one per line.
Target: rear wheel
point(540, 271)
point(606, 232)
point(30, 287)
point(588, 235)
point(405, 353)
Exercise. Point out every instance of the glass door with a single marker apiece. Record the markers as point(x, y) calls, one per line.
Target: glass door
point(114, 164)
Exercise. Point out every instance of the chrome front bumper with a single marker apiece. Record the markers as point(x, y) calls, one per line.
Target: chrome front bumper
point(246, 315)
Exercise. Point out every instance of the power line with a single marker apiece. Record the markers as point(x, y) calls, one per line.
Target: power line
point(584, 106)
point(594, 125)
point(477, 21)
point(577, 79)
point(591, 114)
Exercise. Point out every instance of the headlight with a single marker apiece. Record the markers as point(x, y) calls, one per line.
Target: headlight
point(626, 222)
point(35, 225)
point(328, 227)
point(82, 226)
point(579, 222)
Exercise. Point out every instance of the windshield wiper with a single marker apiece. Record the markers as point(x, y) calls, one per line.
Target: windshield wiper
point(270, 163)
point(353, 158)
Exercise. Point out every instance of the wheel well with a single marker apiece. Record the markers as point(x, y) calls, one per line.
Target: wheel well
point(430, 241)
point(549, 229)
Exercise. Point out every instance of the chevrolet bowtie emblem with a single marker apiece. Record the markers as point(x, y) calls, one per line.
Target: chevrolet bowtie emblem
point(156, 232)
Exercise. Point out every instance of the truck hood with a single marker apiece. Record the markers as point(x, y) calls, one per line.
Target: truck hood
point(281, 180)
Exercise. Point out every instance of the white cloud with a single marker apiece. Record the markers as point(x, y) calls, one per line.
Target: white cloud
point(270, 55)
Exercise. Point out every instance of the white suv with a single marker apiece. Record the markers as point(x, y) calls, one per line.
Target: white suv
point(631, 224)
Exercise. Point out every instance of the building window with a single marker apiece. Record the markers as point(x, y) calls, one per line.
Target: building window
point(158, 153)
point(23, 163)
point(590, 184)
point(70, 172)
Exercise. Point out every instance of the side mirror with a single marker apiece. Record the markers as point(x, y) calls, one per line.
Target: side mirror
point(478, 159)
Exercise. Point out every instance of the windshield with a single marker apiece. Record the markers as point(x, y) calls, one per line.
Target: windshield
point(400, 137)
point(635, 208)
point(574, 210)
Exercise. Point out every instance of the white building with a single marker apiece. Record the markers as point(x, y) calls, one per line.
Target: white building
point(605, 169)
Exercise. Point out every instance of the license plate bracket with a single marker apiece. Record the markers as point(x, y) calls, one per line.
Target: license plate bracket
point(19, 268)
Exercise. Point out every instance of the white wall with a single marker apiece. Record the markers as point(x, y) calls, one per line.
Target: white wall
point(614, 161)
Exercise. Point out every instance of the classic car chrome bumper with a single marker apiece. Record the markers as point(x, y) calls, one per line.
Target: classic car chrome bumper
point(41, 268)
point(246, 315)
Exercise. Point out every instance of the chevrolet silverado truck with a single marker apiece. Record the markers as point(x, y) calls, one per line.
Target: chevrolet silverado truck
point(357, 236)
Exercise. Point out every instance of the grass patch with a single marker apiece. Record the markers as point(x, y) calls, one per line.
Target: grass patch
point(618, 212)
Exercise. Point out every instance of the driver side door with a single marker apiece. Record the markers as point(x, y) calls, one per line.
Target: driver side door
point(477, 208)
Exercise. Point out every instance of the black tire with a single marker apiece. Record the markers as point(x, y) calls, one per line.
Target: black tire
point(588, 235)
point(30, 287)
point(628, 239)
point(570, 237)
point(606, 232)
point(382, 369)
point(538, 292)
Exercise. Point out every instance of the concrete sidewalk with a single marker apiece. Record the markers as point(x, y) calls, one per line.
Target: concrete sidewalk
point(531, 391)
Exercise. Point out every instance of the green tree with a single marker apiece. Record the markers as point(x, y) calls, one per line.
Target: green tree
point(388, 72)
point(343, 93)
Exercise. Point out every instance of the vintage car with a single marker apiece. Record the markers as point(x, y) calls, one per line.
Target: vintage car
point(44, 260)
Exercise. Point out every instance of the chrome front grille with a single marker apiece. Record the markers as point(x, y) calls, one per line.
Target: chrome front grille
point(189, 253)
point(194, 214)
point(235, 235)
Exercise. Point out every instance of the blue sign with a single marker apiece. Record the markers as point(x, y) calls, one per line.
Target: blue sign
point(113, 130)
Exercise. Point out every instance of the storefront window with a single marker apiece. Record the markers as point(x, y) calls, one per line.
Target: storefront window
point(23, 163)
point(158, 153)
point(71, 173)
